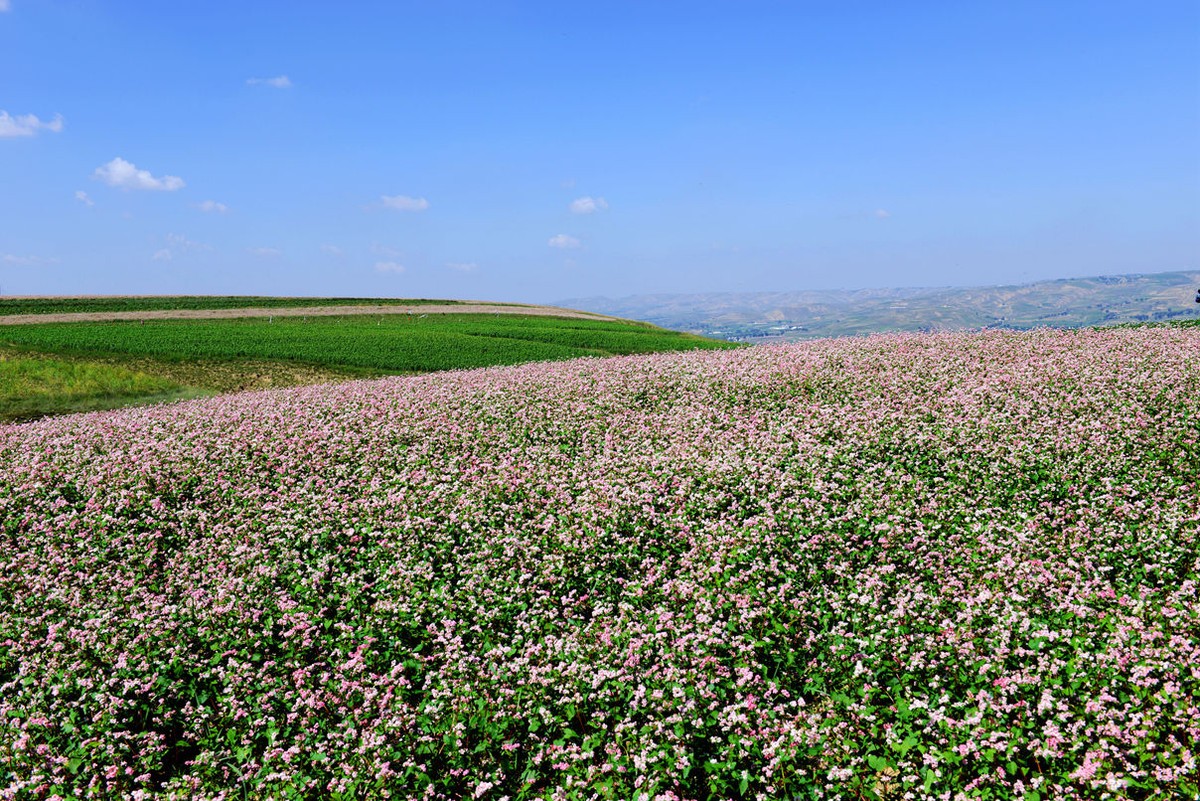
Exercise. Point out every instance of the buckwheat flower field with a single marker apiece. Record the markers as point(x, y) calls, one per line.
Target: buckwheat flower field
point(912, 566)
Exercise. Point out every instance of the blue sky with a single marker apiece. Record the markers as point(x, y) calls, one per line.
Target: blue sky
point(539, 151)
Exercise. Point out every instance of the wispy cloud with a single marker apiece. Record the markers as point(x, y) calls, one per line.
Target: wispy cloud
point(26, 124)
point(278, 82)
point(404, 202)
point(588, 205)
point(332, 250)
point(124, 175)
point(178, 243)
point(83, 198)
point(25, 261)
point(386, 251)
point(265, 253)
point(563, 242)
point(4, 5)
point(212, 207)
point(462, 266)
point(882, 214)
point(181, 242)
point(388, 267)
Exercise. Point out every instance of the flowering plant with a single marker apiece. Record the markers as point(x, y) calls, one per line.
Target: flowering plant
point(918, 566)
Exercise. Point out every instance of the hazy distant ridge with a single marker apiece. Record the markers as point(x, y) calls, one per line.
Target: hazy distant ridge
point(1064, 303)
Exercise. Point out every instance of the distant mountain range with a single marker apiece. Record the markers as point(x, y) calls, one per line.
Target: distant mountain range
point(1064, 303)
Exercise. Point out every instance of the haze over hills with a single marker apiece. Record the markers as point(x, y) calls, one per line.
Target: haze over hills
point(1063, 303)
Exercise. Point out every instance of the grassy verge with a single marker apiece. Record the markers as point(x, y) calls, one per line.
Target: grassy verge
point(33, 386)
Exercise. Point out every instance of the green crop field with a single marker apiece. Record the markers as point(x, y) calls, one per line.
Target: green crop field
point(218, 355)
point(390, 343)
point(194, 302)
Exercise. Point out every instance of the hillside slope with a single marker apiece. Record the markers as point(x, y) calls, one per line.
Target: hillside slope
point(1066, 303)
point(884, 567)
point(182, 351)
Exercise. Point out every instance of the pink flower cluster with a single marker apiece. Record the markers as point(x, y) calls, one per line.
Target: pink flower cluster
point(919, 566)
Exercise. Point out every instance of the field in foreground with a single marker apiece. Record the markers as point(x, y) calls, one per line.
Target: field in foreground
point(208, 356)
point(896, 567)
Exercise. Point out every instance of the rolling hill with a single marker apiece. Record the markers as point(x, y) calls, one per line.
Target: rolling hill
point(74, 354)
point(1065, 303)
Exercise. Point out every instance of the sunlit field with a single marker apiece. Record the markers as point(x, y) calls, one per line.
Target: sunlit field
point(33, 386)
point(199, 356)
point(909, 566)
point(396, 342)
point(115, 303)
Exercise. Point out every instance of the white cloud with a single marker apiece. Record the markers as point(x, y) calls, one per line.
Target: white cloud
point(278, 82)
point(3, 5)
point(882, 214)
point(25, 261)
point(183, 243)
point(212, 206)
point(332, 250)
point(563, 242)
point(462, 266)
point(123, 175)
point(26, 124)
point(83, 198)
point(384, 250)
point(388, 267)
point(588, 205)
point(404, 202)
point(178, 242)
point(265, 253)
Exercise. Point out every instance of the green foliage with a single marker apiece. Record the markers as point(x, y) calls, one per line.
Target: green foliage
point(886, 568)
point(31, 387)
point(397, 343)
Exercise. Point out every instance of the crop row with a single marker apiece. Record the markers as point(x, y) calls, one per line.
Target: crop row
point(397, 342)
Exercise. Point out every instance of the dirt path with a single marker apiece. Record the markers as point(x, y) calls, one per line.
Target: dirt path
point(295, 311)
